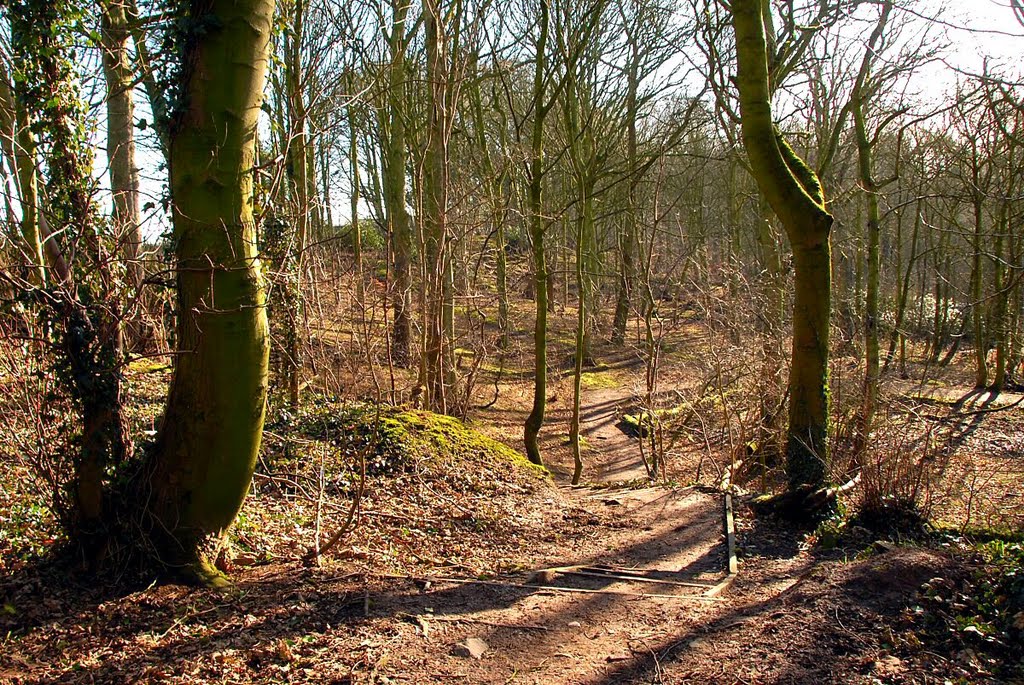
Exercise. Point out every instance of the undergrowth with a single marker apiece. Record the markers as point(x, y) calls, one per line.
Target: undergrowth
point(978, 616)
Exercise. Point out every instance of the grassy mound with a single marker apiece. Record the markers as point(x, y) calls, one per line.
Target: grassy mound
point(422, 481)
point(393, 440)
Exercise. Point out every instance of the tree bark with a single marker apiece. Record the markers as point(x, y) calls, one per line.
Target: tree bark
point(207, 446)
point(532, 426)
point(439, 362)
point(794, 193)
point(124, 176)
point(399, 231)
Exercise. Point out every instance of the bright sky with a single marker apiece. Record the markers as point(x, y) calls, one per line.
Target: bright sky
point(976, 28)
point(973, 29)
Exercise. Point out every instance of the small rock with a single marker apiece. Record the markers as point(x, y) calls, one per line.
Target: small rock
point(473, 647)
point(574, 624)
point(888, 665)
point(969, 658)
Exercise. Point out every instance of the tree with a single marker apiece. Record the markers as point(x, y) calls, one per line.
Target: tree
point(124, 177)
point(439, 361)
point(83, 300)
point(393, 129)
point(795, 195)
point(541, 104)
point(207, 445)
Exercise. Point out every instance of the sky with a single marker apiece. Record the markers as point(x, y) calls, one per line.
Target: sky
point(976, 28)
point(973, 29)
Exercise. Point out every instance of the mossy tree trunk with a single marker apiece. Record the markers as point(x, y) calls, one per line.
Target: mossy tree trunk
point(207, 446)
point(795, 195)
point(863, 90)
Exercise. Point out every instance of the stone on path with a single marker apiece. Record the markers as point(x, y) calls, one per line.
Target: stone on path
point(473, 647)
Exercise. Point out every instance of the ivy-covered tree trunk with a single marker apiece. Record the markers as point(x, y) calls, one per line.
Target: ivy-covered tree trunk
point(211, 432)
point(795, 195)
point(86, 309)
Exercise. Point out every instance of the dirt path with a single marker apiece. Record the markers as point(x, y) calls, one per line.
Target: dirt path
point(613, 456)
point(538, 635)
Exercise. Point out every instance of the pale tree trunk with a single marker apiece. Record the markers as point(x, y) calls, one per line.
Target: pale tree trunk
point(19, 149)
point(399, 231)
point(126, 218)
point(207, 446)
point(439, 361)
point(124, 176)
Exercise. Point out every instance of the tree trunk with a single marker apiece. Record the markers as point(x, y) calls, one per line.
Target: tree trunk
point(977, 290)
point(124, 177)
point(794, 193)
point(531, 429)
point(627, 236)
point(897, 334)
point(299, 178)
point(869, 399)
point(207, 446)
point(439, 362)
point(1001, 300)
point(19, 149)
point(357, 235)
point(399, 231)
point(88, 312)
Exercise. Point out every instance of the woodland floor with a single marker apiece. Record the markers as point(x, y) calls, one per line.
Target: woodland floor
point(431, 571)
